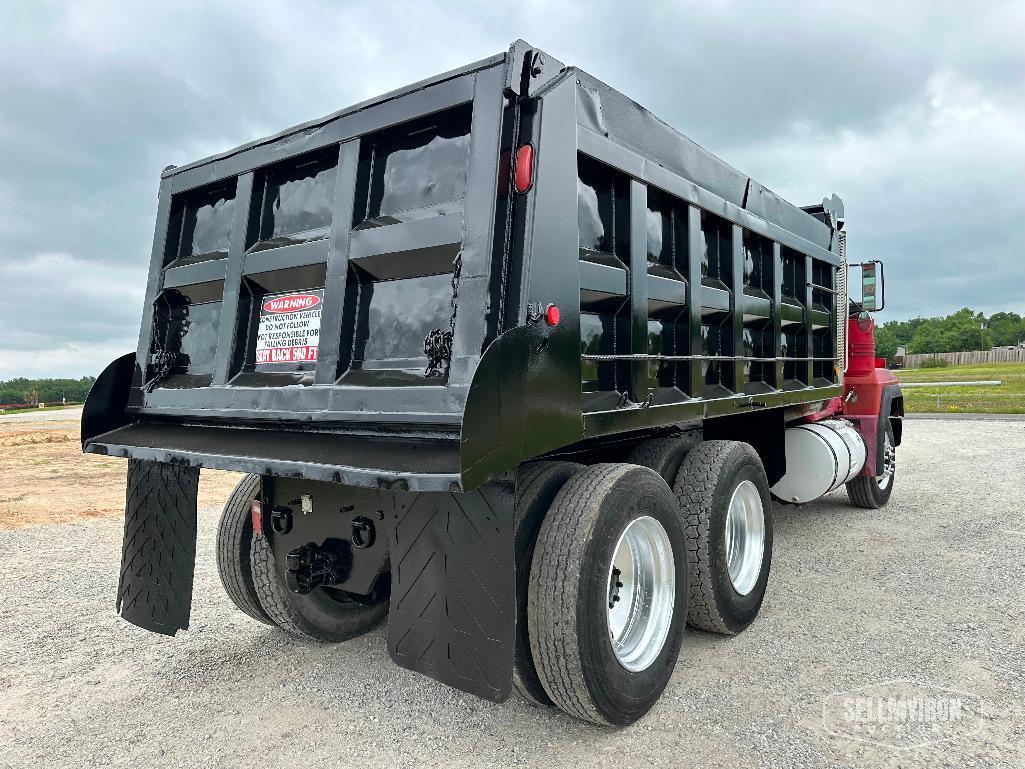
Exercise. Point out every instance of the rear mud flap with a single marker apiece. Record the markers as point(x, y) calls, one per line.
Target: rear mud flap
point(158, 557)
point(453, 603)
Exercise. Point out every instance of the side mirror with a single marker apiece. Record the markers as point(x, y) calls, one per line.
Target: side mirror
point(873, 292)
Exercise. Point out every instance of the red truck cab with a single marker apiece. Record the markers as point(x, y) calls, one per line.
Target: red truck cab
point(872, 395)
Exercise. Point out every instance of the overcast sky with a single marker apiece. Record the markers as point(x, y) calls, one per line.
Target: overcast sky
point(913, 112)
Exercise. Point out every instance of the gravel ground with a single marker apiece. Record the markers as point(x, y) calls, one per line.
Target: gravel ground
point(928, 589)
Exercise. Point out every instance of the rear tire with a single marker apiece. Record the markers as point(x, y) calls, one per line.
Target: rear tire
point(575, 584)
point(715, 478)
point(870, 492)
point(664, 455)
point(234, 541)
point(536, 486)
point(322, 615)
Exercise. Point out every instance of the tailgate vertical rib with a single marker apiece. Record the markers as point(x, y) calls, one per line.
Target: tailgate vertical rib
point(337, 264)
point(478, 223)
point(233, 280)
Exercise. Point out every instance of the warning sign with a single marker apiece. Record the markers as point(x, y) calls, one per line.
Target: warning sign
point(289, 330)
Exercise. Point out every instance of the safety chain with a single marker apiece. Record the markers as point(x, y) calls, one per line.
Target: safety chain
point(438, 343)
point(164, 359)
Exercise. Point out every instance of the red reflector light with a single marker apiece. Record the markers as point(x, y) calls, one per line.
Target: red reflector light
point(524, 168)
point(256, 511)
point(552, 315)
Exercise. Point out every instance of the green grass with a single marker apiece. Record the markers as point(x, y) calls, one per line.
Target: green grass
point(1007, 398)
point(46, 408)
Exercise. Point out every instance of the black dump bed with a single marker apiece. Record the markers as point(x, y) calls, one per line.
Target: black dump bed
point(363, 298)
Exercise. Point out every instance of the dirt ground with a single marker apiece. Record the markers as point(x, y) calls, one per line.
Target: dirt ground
point(45, 478)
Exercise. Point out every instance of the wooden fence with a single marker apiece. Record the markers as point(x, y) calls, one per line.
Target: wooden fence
point(1014, 355)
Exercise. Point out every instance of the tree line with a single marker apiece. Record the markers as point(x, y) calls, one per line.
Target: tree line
point(32, 392)
point(961, 331)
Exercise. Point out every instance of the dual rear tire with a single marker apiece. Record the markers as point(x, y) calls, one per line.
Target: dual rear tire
point(255, 581)
point(622, 563)
point(606, 600)
point(234, 542)
point(611, 565)
point(724, 497)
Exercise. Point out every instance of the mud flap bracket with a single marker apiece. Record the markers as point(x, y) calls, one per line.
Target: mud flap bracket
point(453, 604)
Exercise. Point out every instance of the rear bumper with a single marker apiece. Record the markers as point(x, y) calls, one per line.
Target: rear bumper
point(424, 460)
point(355, 460)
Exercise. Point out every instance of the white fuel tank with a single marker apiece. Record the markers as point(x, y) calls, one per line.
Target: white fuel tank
point(821, 456)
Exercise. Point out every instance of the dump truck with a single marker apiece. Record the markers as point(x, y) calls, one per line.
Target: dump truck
point(511, 365)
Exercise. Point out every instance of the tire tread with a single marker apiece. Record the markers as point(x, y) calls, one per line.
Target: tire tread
point(234, 559)
point(531, 482)
point(664, 455)
point(864, 491)
point(695, 487)
point(554, 586)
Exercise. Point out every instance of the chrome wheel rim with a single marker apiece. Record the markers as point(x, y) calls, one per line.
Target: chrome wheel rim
point(642, 593)
point(889, 463)
point(745, 537)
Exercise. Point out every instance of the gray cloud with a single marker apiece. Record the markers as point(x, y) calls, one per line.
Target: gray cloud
point(914, 113)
